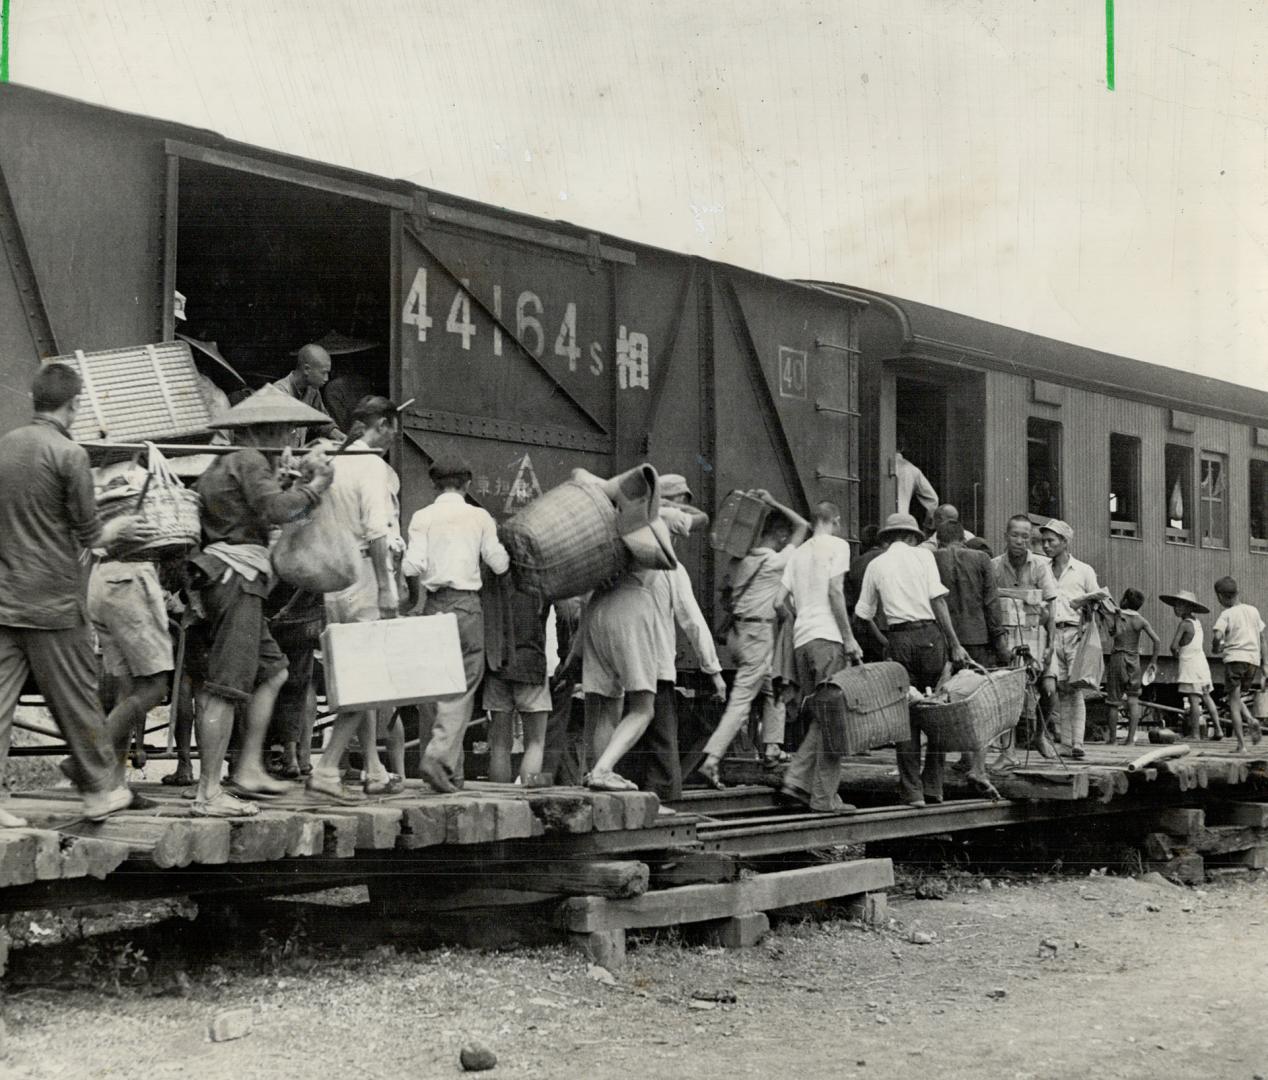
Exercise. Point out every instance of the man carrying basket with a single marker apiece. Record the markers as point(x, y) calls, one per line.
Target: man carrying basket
point(904, 584)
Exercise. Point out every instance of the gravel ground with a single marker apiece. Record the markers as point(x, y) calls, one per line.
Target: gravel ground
point(1112, 977)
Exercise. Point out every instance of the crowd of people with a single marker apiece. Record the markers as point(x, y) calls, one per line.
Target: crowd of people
point(798, 609)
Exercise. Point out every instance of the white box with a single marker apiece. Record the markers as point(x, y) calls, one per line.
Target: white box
point(392, 662)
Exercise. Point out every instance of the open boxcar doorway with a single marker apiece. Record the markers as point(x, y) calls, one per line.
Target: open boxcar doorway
point(266, 266)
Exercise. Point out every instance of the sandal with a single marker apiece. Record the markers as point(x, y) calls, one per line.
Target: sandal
point(223, 805)
point(709, 770)
point(606, 781)
point(182, 777)
point(326, 790)
point(241, 792)
point(985, 789)
point(391, 785)
point(780, 756)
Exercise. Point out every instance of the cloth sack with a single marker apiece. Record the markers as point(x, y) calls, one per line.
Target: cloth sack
point(315, 554)
point(1088, 667)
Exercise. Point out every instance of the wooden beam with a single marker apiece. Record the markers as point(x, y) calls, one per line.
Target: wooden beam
point(699, 903)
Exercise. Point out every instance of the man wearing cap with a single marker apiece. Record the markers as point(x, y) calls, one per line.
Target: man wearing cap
point(1074, 581)
point(447, 542)
point(304, 383)
point(653, 762)
point(48, 519)
point(823, 643)
point(755, 583)
point(363, 501)
point(233, 659)
point(1027, 593)
point(904, 583)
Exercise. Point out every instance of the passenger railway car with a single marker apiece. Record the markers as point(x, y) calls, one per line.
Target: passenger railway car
point(534, 347)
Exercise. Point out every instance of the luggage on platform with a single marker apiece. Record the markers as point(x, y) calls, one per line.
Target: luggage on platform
point(862, 707)
point(971, 722)
point(390, 662)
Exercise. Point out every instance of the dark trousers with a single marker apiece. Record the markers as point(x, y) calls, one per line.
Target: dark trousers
point(653, 763)
point(814, 774)
point(65, 670)
point(297, 641)
point(922, 650)
point(564, 756)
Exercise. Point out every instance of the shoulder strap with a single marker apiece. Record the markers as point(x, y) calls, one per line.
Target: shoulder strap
point(737, 594)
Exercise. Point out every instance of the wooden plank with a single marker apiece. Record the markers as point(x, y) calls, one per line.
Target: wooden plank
point(209, 841)
point(615, 878)
point(164, 842)
point(82, 857)
point(340, 835)
point(378, 826)
point(1250, 814)
point(1178, 821)
point(642, 808)
point(694, 868)
point(17, 857)
point(48, 852)
point(563, 813)
point(609, 811)
point(309, 838)
point(698, 903)
point(515, 820)
point(470, 821)
point(423, 825)
point(262, 838)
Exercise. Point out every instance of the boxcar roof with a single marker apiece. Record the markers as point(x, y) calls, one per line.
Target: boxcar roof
point(938, 334)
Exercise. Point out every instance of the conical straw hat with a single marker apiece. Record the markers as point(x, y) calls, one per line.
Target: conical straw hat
point(270, 406)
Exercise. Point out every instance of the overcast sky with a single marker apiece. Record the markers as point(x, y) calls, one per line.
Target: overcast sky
point(965, 153)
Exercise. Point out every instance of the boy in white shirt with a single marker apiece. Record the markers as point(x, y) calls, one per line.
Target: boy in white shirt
point(1239, 639)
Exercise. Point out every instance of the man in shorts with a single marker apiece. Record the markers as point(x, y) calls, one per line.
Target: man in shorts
point(1239, 639)
point(520, 686)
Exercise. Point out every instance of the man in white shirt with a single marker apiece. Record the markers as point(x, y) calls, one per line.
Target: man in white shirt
point(363, 500)
point(755, 582)
point(1074, 580)
point(823, 642)
point(1240, 641)
point(905, 584)
point(447, 542)
point(654, 762)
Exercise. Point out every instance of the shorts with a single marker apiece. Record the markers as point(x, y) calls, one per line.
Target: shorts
point(1122, 678)
point(619, 648)
point(1192, 689)
point(359, 602)
point(503, 695)
point(232, 652)
point(1065, 644)
point(126, 608)
point(1239, 676)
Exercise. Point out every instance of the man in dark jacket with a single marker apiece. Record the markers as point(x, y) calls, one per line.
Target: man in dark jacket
point(48, 522)
point(974, 608)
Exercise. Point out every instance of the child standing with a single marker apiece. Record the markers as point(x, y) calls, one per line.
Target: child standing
point(1195, 673)
point(1239, 638)
point(1123, 678)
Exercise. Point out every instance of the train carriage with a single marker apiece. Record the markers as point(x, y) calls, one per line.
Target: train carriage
point(536, 346)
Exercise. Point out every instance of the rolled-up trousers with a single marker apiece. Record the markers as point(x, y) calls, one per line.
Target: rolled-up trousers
point(65, 670)
point(451, 715)
point(814, 774)
point(752, 645)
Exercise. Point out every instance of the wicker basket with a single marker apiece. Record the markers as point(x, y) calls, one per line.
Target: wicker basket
point(565, 543)
point(973, 722)
point(164, 502)
point(863, 707)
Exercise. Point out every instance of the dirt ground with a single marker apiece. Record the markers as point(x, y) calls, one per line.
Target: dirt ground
point(1075, 977)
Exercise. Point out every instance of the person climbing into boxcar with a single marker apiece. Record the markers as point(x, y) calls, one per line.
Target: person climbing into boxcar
point(447, 542)
point(912, 483)
point(755, 582)
point(1075, 580)
point(48, 521)
point(363, 502)
point(1027, 595)
point(1194, 676)
point(823, 643)
point(904, 583)
point(233, 659)
point(653, 763)
point(1239, 638)
point(973, 604)
point(1123, 674)
point(304, 383)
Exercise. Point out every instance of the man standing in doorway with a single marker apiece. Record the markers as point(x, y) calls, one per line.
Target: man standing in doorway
point(304, 383)
point(1027, 593)
point(1074, 580)
point(823, 642)
point(904, 583)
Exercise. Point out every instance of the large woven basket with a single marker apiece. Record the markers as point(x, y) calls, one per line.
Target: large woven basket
point(164, 502)
point(565, 542)
point(971, 723)
point(860, 708)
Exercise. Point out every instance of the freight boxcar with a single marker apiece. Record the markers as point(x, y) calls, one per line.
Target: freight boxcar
point(532, 347)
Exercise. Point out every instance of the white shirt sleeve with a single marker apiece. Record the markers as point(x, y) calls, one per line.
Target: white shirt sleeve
point(869, 597)
point(491, 550)
point(414, 563)
point(688, 615)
